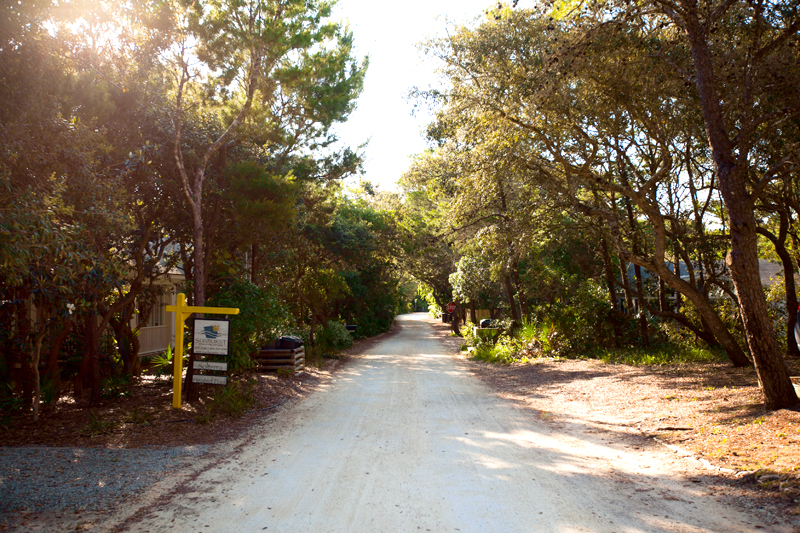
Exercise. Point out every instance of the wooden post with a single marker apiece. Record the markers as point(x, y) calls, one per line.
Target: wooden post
point(182, 312)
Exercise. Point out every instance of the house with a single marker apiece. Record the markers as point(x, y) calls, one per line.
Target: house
point(770, 274)
point(158, 333)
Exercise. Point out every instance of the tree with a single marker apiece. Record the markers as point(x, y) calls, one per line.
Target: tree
point(736, 115)
point(589, 129)
point(254, 54)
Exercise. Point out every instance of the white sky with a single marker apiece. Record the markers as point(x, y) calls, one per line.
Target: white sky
point(388, 33)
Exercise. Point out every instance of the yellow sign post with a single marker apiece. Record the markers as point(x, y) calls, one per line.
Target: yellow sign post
point(182, 312)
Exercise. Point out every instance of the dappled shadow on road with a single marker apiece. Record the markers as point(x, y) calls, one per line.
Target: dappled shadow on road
point(561, 471)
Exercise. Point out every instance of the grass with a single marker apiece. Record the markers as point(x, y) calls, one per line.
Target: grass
point(97, 426)
point(314, 360)
point(116, 387)
point(139, 417)
point(507, 351)
point(658, 355)
point(504, 352)
point(233, 400)
point(543, 339)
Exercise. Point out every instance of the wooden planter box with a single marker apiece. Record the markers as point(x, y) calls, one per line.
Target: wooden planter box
point(274, 358)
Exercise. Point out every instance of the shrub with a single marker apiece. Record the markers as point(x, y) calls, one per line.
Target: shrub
point(333, 338)
point(505, 351)
point(162, 363)
point(116, 386)
point(235, 398)
point(263, 315)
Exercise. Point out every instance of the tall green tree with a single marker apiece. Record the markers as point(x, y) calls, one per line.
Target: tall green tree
point(250, 59)
point(602, 130)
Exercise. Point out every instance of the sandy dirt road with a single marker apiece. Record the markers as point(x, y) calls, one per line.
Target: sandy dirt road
point(406, 440)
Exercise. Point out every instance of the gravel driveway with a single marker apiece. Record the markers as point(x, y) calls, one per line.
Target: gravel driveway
point(74, 484)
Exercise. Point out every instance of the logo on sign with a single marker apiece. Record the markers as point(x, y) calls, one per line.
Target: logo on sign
point(211, 332)
point(211, 336)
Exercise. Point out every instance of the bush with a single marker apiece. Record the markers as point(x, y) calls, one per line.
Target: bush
point(235, 398)
point(263, 315)
point(506, 351)
point(333, 338)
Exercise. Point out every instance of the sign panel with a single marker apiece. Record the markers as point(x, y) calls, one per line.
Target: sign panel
point(213, 380)
point(210, 365)
point(451, 307)
point(211, 336)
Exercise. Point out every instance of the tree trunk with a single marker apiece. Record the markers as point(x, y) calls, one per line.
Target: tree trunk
point(678, 273)
point(313, 324)
point(511, 301)
point(80, 377)
point(473, 314)
point(199, 276)
point(192, 389)
point(456, 321)
point(93, 346)
point(198, 262)
point(612, 292)
point(42, 319)
point(742, 259)
point(24, 332)
point(626, 286)
point(523, 303)
point(779, 242)
point(715, 325)
point(642, 314)
point(637, 269)
point(53, 372)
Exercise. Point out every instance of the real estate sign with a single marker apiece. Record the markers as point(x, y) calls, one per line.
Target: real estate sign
point(211, 336)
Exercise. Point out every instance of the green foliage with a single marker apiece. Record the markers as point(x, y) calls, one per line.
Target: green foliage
point(574, 322)
point(333, 338)
point(234, 399)
point(776, 304)
point(50, 390)
point(505, 351)
point(658, 355)
point(162, 363)
point(97, 426)
point(263, 315)
point(117, 386)
point(476, 280)
point(261, 202)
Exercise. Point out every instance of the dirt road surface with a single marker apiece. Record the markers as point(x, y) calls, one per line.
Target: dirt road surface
point(406, 440)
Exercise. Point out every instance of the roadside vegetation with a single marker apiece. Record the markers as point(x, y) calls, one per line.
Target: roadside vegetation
point(149, 148)
point(602, 180)
point(533, 341)
point(606, 177)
